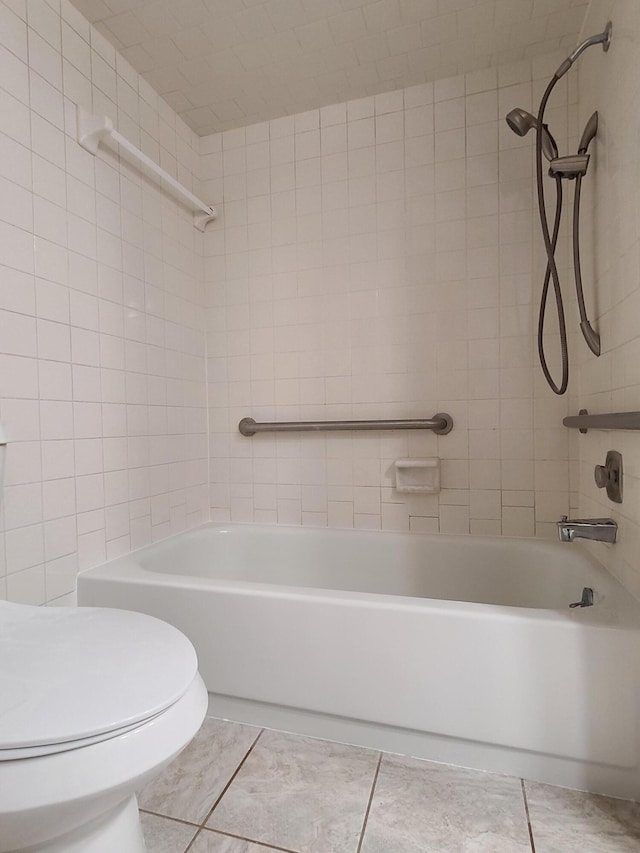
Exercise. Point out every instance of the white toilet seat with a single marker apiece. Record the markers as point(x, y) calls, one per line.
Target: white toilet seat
point(70, 679)
point(93, 704)
point(55, 748)
point(68, 794)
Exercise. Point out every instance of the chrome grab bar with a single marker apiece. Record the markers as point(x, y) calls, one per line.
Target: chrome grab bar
point(613, 420)
point(440, 424)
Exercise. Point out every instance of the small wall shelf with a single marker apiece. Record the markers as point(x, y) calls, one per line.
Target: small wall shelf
point(418, 476)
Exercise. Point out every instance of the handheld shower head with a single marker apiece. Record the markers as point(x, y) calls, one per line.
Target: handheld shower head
point(521, 122)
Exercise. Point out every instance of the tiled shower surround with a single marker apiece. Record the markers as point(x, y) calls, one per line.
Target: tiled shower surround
point(375, 261)
point(102, 368)
point(612, 383)
point(375, 258)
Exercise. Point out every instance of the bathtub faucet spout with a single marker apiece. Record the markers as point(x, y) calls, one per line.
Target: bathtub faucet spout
point(598, 529)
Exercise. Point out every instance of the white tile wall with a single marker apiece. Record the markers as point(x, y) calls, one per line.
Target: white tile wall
point(102, 368)
point(375, 260)
point(609, 83)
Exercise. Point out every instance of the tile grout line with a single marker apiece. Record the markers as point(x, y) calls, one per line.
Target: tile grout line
point(224, 790)
point(254, 841)
point(526, 811)
point(167, 817)
point(200, 828)
point(368, 809)
point(193, 826)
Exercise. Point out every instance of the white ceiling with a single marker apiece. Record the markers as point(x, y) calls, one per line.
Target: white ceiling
point(227, 63)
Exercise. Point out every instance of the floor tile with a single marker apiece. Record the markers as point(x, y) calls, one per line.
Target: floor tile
point(564, 820)
point(162, 835)
point(189, 786)
point(299, 793)
point(419, 806)
point(212, 842)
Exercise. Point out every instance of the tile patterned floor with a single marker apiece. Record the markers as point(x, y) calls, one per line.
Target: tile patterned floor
point(240, 789)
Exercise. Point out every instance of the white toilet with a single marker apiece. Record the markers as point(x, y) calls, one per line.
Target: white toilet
point(93, 703)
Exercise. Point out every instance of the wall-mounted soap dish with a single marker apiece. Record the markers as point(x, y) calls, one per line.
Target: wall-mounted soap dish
point(418, 475)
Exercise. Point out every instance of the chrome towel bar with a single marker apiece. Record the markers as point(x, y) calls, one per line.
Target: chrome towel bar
point(613, 420)
point(440, 424)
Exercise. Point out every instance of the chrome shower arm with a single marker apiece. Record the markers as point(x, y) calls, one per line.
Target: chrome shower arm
point(603, 38)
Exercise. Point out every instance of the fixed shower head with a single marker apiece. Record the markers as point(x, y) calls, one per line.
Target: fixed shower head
point(521, 122)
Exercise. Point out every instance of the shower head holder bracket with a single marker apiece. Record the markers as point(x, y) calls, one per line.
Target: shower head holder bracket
point(569, 167)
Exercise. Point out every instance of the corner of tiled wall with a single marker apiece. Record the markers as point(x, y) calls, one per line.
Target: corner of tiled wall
point(102, 337)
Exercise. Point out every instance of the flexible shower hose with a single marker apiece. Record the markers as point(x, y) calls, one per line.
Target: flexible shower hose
point(558, 389)
point(550, 242)
point(551, 273)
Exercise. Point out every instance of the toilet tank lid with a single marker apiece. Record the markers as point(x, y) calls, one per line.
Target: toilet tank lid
point(72, 673)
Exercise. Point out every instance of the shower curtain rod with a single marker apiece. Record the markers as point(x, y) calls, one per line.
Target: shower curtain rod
point(93, 129)
point(440, 424)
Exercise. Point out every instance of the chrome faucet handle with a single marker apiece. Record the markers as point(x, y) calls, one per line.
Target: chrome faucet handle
point(609, 476)
point(601, 476)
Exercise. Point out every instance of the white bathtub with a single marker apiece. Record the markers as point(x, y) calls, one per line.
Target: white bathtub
point(459, 649)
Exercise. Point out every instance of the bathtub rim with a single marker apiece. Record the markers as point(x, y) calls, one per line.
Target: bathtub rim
point(615, 608)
